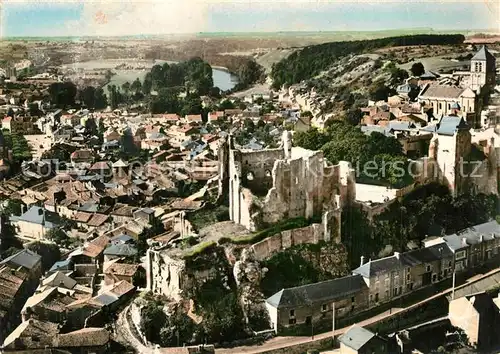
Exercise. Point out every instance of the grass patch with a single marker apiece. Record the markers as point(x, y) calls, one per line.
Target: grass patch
point(284, 225)
point(199, 249)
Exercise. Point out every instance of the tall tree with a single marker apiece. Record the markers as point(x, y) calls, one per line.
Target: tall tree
point(417, 69)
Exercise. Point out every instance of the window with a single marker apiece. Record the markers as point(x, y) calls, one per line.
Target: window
point(292, 321)
point(376, 297)
point(353, 299)
point(428, 268)
point(461, 254)
point(324, 307)
point(449, 264)
point(292, 313)
point(408, 276)
point(434, 278)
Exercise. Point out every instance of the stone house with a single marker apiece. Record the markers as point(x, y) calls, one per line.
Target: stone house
point(13, 293)
point(115, 272)
point(358, 340)
point(40, 336)
point(48, 305)
point(35, 223)
point(313, 303)
point(394, 276)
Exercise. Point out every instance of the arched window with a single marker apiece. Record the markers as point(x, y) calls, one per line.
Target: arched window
point(268, 173)
point(250, 176)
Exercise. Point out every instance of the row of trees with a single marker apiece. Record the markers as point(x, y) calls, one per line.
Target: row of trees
point(310, 61)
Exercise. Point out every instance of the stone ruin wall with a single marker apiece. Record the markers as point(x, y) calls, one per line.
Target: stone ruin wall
point(286, 239)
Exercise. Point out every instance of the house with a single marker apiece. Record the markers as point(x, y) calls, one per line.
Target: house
point(146, 214)
point(313, 303)
point(358, 340)
point(13, 293)
point(393, 276)
point(119, 250)
point(48, 305)
point(215, 116)
point(82, 155)
point(112, 135)
point(101, 168)
point(35, 223)
point(477, 315)
point(115, 272)
point(35, 336)
point(193, 119)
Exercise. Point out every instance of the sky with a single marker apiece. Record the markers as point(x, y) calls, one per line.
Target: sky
point(23, 18)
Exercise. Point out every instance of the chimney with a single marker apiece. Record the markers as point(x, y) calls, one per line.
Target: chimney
point(464, 241)
point(362, 261)
point(396, 254)
point(481, 238)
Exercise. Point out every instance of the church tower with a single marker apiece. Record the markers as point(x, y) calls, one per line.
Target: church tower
point(483, 69)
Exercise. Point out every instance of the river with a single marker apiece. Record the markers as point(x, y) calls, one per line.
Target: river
point(222, 78)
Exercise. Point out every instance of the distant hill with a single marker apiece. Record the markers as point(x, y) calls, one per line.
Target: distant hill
point(311, 60)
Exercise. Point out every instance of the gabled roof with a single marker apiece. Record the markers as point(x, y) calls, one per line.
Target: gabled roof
point(317, 292)
point(356, 337)
point(441, 91)
point(483, 54)
point(59, 279)
point(40, 216)
point(121, 249)
point(25, 258)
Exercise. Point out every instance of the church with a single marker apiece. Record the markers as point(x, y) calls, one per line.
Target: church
point(462, 92)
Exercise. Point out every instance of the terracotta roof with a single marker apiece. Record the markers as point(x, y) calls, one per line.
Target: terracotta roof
point(82, 217)
point(193, 117)
point(121, 288)
point(32, 334)
point(101, 165)
point(95, 247)
point(97, 220)
point(123, 269)
point(85, 337)
point(442, 91)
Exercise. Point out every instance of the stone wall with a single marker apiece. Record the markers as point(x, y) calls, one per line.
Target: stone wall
point(319, 344)
point(286, 239)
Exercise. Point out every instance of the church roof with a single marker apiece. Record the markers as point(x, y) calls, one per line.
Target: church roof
point(483, 54)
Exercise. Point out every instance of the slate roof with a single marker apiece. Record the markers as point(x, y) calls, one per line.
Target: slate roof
point(317, 292)
point(121, 249)
point(403, 260)
point(37, 215)
point(448, 125)
point(66, 264)
point(483, 54)
point(356, 337)
point(472, 235)
point(24, 258)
